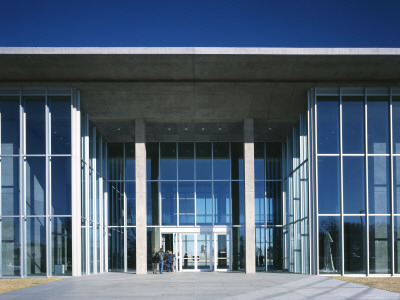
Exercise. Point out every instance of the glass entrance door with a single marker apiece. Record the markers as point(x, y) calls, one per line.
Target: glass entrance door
point(222, 252)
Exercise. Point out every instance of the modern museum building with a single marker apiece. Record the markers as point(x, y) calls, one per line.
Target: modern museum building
point(234, 159)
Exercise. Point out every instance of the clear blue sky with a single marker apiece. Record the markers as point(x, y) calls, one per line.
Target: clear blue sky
point(202, 23)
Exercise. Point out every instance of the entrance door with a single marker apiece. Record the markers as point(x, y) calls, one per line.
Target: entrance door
point(222, 252)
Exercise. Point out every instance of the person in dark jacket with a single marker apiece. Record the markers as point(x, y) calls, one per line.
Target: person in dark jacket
point(154, 260)
point(161, 257)
point(170, 261)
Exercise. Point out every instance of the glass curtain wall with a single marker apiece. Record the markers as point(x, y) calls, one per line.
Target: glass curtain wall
point(296, 199)
point(35, 198)
point(94, 199)
point(357, 166)
point(196, 184)
point(268, 205)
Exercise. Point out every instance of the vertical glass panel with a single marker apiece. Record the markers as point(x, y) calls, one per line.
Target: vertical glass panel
point(396, 183)
point(204, 203)
point(35, 125)
point(274, 249)
point(222, 203)
point(396, 124)
point(104, 160)
point(238, 249)
point(152, 161)
point(188, 260)
point(9, 110)
point(91, 247)
point(203, 161)
point(115, 161)
point(98, 153)
point(168, 161)
point(61, 185)
point(380, 249)
point(9, 186)
point(328, 124)
point(35, 180)
point(131, 248)
point(353, 124)
point(274, 203)
point(98, 247)
point(223, 261)
point(259, 163)
point(116, 249)
point(237, 161)
point(204, 251)
point(260, 249)
point(35, 246)
point(116, 204)
point(61, 246)
point(60, 112)
point(97, 198)
point(130, 161)
point(83, 190)
point(186, 161)
point(10, 247)
point(353, 185)
point(354, 245)
point(396, 244)
point(378, 185)
point(378, 125)
point(83, 247)
point(221, 161)
point(260, 202)
point(131, 203)
point(186, 203)
point(328, 185)
point(237, 202)
point(168, 203)
point(152, 203)
point(329, 245)
point(273, 161)
point(90, 194)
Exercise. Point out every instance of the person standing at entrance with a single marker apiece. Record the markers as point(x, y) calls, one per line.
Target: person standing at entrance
point(161, 256)
point(170, 261)
point(154, 260)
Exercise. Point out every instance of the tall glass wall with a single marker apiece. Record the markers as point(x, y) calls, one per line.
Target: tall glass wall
point(357, 187)
point(94, 237)
point(35, 198)
point(268, 205)
point(296, 199)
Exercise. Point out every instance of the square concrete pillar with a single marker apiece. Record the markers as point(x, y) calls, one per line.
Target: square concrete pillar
point(249, 212)
point(141, 196)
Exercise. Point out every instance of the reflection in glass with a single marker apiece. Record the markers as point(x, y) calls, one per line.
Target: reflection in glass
point(353, 124)
point(61, 246)
point(116, 204)
point(35, 125)
point(328, 185)
point(131, 248)
point(221, 165)
point(116, 249)
point(204, 251)
point(274, 249)
point(186, 203)
point(237, 161)
point(237, 202)
point(9, 110)
point(203, 161)
point(186, 161)
point(354, 245)
point(188, 259)
point(353, 185)
point(115, 161)
point(152, 157)
point(329, 245)
point(238, 249)
point(260, 202)
point(130, 203)
point(380, 250)
point(259, 161)
point(273, 161)
point(221, 203)
point(396, 184)
point(35, 180)
point(35, 246)
point(168, 161)
point(204, 203)
point(328, 124)
point(10, 247)
point(378, 185)
point(396, 124)
point(9, 186)
point(152, 203)
point(61, 185)
point(274, 203)
point(60, 114)
point(397, 244)
point(261, 259)
point(223, 260)
point(130, 161)
point(168, 203)
point(378, 125)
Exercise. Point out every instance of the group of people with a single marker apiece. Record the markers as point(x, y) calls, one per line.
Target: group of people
point(162, 258)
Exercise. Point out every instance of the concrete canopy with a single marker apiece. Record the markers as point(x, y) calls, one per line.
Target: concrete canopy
point(196, 93)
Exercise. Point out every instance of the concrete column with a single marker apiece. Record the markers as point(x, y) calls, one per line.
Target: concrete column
point(249, 213)
point(141, 196)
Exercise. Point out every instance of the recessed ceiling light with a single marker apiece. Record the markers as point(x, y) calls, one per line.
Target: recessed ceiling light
point(202, 128)
point(118, 129)
point(270, 128)
point(186, 128)
point(220, 128)
point(169, 129)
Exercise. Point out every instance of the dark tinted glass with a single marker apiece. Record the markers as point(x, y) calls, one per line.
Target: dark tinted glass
point(168, 203)
point(115, 161)
point(237, 161)
point(378, 125)
point(329, 245)
point(35, 125)
point(259, 163)
point(131, 248)
point(274, 202)
point(354, 245)
point(353, 124)
point(353, 185)
point(9, 186)
point(168, 161)
point(378, 185)
point(260, 202)
point(152, 154)
point(396, 124)
point(9, 109)
point(328, 124)
point(116, 204)
point(221, 161)
point(186, 161)
point(273, 161)
point(61, 185)
point(35, 189)
point(328, 185)
point(237, 202)
point(203, 161)
point(130, 191)
point(60, 111)
point(130, 161)
point(116, 249)
point(152, 203)
point(396, 244)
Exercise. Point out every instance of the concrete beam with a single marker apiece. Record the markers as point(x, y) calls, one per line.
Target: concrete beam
point(249, 211)
point(141, 196)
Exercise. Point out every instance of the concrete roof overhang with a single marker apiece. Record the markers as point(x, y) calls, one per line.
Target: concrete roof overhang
point(191, 89)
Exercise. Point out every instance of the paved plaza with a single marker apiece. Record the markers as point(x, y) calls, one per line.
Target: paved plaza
point(199, 286)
